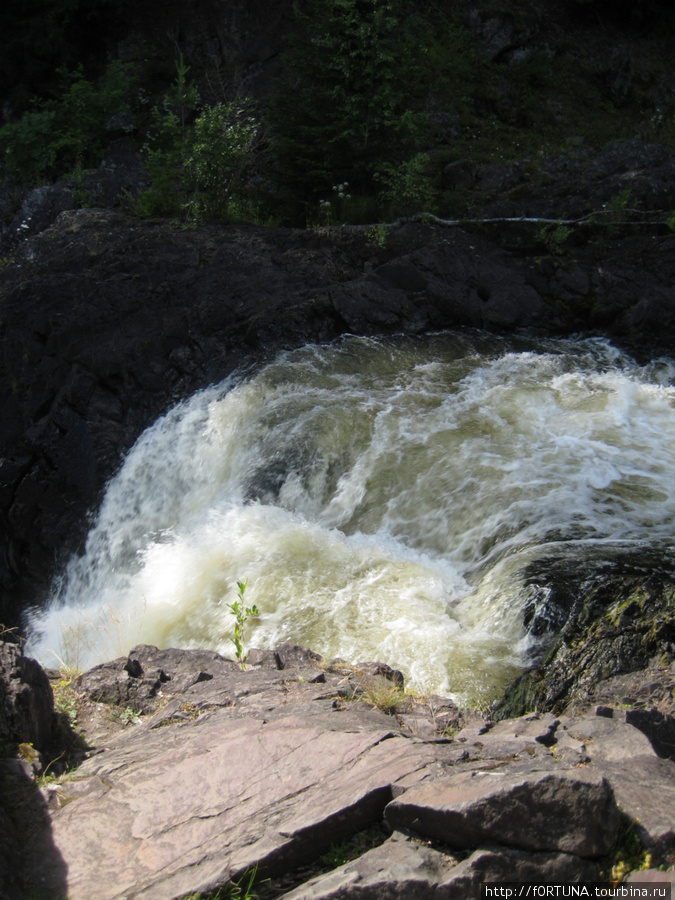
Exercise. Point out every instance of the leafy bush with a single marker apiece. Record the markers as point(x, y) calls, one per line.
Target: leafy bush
point(69, 132)
point(407, 187)
point(217, 156)
point(198, 169)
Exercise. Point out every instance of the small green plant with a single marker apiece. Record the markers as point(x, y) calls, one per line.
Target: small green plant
point(241, 615)
point(130, 716)
point(336, 855)
point(377, 234)
point(619, 202)
point(671, 222)
point(65, 696)
point(554, 236)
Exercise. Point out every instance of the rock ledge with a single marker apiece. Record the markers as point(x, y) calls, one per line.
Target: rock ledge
point(194, 774)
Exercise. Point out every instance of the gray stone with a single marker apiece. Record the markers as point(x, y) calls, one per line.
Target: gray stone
point(399, 868)
point(268, 767)
point(524, 806)
point(186, 807)
point(26, 699)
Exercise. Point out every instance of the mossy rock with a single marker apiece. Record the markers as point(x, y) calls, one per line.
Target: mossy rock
point(621, 624)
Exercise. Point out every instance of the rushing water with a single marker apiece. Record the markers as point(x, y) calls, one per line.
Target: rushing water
point(385, 499)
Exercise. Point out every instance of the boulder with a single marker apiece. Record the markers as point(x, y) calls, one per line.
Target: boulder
point(402, 868)
point(527, 806)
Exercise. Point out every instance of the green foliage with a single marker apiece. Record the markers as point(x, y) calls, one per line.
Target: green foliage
point(130, 716)
point(407, 187)
point(167, 146)
point(69, 132)
point(670, 222)
point(241, 615)
point(554, 236)
point(377, 234)
point(354, 74)
point(629, 854)
point(216, 159)
point(65, 696)
point(198, 170)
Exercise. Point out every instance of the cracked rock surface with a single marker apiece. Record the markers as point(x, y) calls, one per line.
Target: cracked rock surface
point(273, 768)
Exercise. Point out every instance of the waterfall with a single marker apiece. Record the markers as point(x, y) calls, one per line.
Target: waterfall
point(408, 499)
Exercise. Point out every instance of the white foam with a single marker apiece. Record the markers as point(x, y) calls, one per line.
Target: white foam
point(382, 499)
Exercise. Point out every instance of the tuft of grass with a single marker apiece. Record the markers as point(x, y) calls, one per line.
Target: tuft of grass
point(65, 696)
point(382, 694)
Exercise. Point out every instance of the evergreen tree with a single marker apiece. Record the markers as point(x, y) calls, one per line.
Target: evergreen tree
point(351, 106)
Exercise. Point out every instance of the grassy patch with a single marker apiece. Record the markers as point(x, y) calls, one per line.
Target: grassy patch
point(65, 695)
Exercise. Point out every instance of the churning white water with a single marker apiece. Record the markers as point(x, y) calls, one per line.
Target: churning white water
point(384, 500)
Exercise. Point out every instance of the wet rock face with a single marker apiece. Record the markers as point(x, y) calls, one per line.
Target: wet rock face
point(621, 624)
point(225, 771)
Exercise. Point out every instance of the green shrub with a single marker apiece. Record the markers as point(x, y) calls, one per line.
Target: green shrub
point(198, 170)
point(407, 187)
point(166, 147)
point(60, 135)
point(217, 156)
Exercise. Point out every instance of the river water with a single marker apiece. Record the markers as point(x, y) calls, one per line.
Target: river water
point(409, 499)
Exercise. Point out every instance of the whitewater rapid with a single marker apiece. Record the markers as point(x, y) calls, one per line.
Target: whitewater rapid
point(384, 499)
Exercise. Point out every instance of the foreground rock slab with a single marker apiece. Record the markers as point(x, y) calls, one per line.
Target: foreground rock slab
point(194, 806)
point(230, 772)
